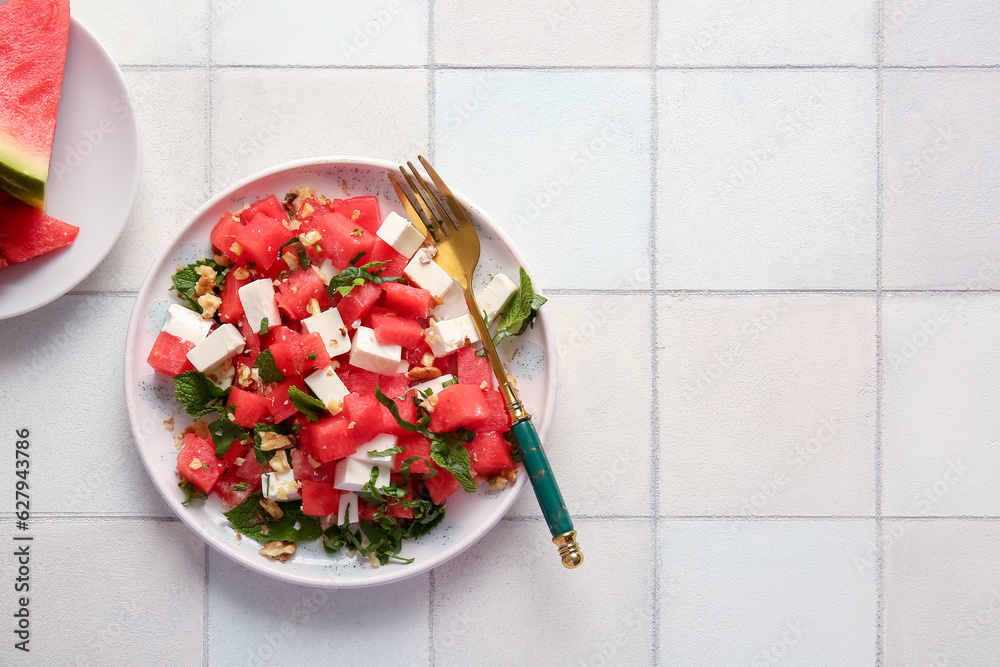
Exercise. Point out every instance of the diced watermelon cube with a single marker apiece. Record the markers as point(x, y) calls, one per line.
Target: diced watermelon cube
point(280, 333)
point(360, 381)
point(383, 252)
point(472, 369)
point(490, 453)
point(328, 439)
point(298, 355)
point(269, 206)
point(407, 412)
point(415, 355)
point(231, 309)
point(260, 240)
point(394, 385)
point(366, 209)
point(252, 338)
point(250, 408)
point(366, 512)
point(234, 496)
point(395, 330)
point(394, 507)
point(441, 485)
point(319, 498)
point(318, 208)
point(197, 463)
point(342, 239)
point(366, 414)
point(413, 444)
point(237, 450)
point(224, 234)
point(496, 418)
point(303, 469)
point(250, 470)
point(297, 290)
point(278, 403)
point(406, 299)
point(356, 305)
point(169, 355)
point(460, 405)
point(375, 310)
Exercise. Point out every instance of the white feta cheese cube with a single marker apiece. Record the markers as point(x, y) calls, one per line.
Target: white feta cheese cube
point(330, 326)
point(329, 388)
point(347, 510)
point(280, 486)
point(369, 354)
point(435, 385)
point(400, 233)
point(452, 304)
point(186, 324)
point(377, 444)
point(326, 271)
point(494, 297)
point(221, 344)
point(258, 303)
point(352, 475)
point(449, 335)
point(404, 366)
point(425, 272)
point(222, 374)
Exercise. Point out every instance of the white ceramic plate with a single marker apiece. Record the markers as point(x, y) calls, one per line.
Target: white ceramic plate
point(150, 397)
point(93, 176)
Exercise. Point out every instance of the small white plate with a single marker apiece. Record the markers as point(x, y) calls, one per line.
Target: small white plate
point(93, 176)
point(150, 397)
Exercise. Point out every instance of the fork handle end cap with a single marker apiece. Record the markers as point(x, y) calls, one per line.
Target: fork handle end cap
point(569, 550)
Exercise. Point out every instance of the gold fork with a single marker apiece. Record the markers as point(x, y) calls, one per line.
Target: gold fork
point(451, 231)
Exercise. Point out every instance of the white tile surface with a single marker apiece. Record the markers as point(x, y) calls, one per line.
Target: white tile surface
point(149, 32)
point(767, 405)
point(173, 116)
point(941, 178)
point(67, 358)
point(767, 32)
point(131, 593)
point(256, 620)
point(775, 592)
point(940, 437)
point(941, 32)
point(942, 592)
point(532, 597)
point(598, 374)
point(317, 32)
point(546, 144)
point(761, 173)
point(380, 114)
point(551, 32)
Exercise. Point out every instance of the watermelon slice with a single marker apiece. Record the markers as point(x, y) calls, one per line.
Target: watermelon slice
point(26, 232)
point(33, 39)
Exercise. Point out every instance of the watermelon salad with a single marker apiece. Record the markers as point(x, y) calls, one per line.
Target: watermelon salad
point(340, 364)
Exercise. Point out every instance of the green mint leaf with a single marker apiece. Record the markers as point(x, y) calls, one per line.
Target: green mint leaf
point(267, 368)
point(264, 325)
point(198, 394)
point(304, 261)
point(224, 433)
point(519, 307)
point(451, 454)
point(311, 357)
point(186, 280)
point(191, 492)
point(356, 258)
point(289, 196)
point(385, 452)
point(355, 276)
point(370, 487)
point(250, 519)
point(448, 383)
point(307, 404)
point(426, 516)
point(393, 409)
point(240, 486)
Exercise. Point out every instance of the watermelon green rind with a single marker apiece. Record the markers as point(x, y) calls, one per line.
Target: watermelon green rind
point(34, 35)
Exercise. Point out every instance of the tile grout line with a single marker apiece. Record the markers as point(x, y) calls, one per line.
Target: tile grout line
point(654, 398)
point(206, 611)
point(879, 555)
point(431, 154)
point(527, 518)
point(655, 68)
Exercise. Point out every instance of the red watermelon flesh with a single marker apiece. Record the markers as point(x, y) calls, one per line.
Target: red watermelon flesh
point(26, 232)
point(33, 39)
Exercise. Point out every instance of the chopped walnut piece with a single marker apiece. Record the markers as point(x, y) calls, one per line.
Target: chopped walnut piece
point(178, 440)
point(209, 305)
point(358, 232)
point(239, 460)
point(313, 307)
point(280, 551)
point(270, 441)
point(244, 376)
point(427, 359)
point(236, 248)
point(241, 273)
point(424, 373)
point(279, 462)
point(352, 425)
point(373, 560)
point(168, 424)
point(195, 463)
point(200, 429)
point(271, 508)
point(206, 271)
point(291, 260)
point(307, 212)
point(293, 225)
point(343, 331)
point(355, 215)
point(334, 406)
point(498, 483)
point(222, 260)
point(484, 385)
point(313, 462)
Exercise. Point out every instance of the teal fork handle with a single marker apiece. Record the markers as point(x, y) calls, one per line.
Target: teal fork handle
point(547, 491)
